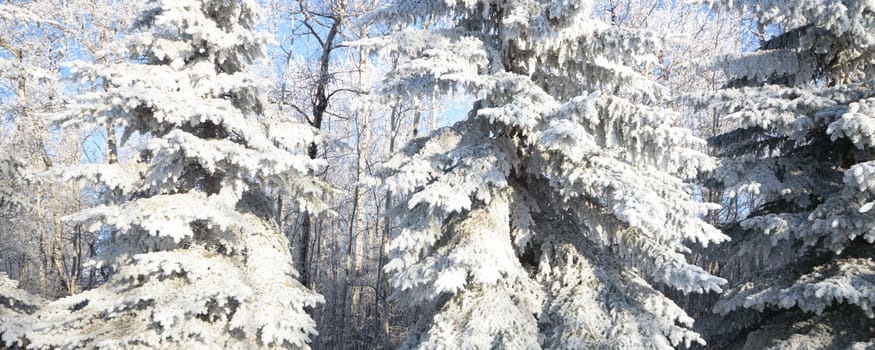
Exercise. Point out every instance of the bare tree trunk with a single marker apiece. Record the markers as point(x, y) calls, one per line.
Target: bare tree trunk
point(22, 268)
point(26, 117)
point(43, 259)
point(111, 146)
point(417, 114)
point(381, 303)
point(362, 145)
point(319, 106)
point(65, 274)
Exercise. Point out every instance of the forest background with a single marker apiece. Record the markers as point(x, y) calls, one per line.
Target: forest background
point(322, 78)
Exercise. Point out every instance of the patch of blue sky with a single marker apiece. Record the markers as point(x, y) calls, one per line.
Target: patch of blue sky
point(457, 109)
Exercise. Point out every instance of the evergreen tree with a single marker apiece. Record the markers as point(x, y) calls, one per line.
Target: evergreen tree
point(16, 304)
point(196, 257)
point(13, 173)
point(550, 214)
point(799, 164)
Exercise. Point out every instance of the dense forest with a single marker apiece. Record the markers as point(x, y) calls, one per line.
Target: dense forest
point(437, 174)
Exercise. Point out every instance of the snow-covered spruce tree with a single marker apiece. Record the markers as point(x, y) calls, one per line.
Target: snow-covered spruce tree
point(545, 217)
point(16, 304)
point(13, 174)
point(197, 259)
point(799, 163)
